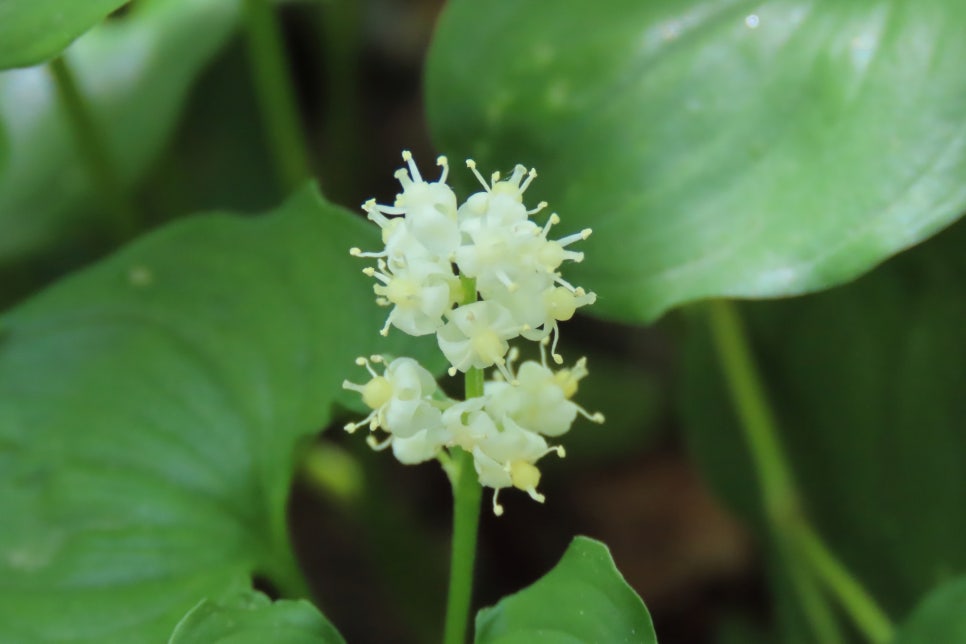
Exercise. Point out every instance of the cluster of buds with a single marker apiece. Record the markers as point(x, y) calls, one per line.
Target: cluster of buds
point(477, 276)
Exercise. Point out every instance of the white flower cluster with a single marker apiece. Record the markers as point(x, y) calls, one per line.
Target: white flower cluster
point(477, 275)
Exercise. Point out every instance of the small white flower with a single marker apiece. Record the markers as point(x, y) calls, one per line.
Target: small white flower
point(400, 398)
point(422, 446)
point(420, 292)
point(507, 458)
point(476, 336)
point(429, 211)
point(467, 423)
point(541, 401)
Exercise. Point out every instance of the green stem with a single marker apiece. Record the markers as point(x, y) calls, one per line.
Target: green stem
point(757, 420)
point(467, 494)
point(798, 542)
point(92, 146)
point(821, 618)
point(868, 617)
point(274, 90)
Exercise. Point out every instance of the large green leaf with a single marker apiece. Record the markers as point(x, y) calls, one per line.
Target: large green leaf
point(867, 383)
point(135, 73)
point(940, 617)
point(150, 408)
point(249, 617)
point(715, 147)
point(583, 599)
point(31, 31)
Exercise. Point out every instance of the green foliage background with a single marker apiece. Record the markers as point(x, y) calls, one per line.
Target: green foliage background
point(153, 404)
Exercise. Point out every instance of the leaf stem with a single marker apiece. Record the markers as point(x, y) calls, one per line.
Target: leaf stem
point(800, 547)
point(275, 95)
point(867, 615)
point(92, 145)
point(467, 494)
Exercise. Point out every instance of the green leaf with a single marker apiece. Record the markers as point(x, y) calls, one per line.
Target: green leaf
point(150, 413)
point(715, 148)
point(583, 599)
point(249, 617)
point(32, 31)
point(866, 381)
point(135, 73)
point(940, 617)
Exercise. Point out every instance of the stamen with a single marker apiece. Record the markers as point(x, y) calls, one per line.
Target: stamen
point(544, 341)
point(540, 206)
point(576, 237)
point(413, 170)
point(536, 496)
point(502, 368)
point(497, 508)
point(471, 164)
point(595, 417)
point(444, 163)
point(555, 331)
point(374, 443)
point(552, 220)
point(356, 252)
point(368, 420)
point(362, 362)
point(530, 177)
point(567, 285)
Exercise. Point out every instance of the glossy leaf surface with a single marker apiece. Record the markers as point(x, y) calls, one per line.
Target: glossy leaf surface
point(250, 617)
point(583, 599)
point(31, 31)
point(150, 413)
point(135, 74)
point(715, 148)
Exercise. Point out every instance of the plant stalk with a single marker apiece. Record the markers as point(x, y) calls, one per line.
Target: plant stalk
point(91, 143)
point(803, 552)
point(467, 494)
point(275, 95)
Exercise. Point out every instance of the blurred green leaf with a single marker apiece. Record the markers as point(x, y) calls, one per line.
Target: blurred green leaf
point(940, 617)
point(867, 383)
point(135, 73)
point(583, 599)
point(150, 411)
point(630, 397)
point(249, 617)
point(716, 148)
point(32, 31)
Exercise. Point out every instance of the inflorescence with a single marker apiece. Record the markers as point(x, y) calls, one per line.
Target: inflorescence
point(477, 275)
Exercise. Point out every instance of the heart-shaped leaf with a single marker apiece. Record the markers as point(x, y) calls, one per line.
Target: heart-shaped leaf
point(135, 74)
point(583, 599)
point(149, 413)
point(249, 617)
point(716, 148)
point(31, 31)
